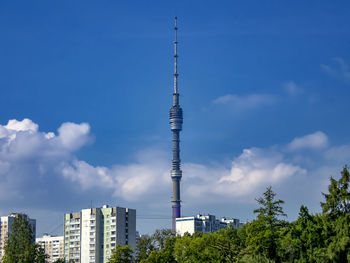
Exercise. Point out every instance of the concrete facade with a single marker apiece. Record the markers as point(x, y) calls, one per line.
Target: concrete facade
point(53, 246)
point(204, 224)
point(91, 235)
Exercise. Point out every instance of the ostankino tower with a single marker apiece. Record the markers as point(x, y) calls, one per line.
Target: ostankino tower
point(176, 126)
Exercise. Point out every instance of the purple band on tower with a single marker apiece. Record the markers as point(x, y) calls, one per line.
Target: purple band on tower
point(176, 211)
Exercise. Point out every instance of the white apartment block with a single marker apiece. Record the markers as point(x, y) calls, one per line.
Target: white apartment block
point(53, 246)
point(6, 223)
point(204, 224)
point(91, 235)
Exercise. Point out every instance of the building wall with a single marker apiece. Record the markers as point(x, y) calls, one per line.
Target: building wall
point(101, 230)
point(204, 224)
point(53, 246)
point(185, 225)
point(88, 236)
point(72, 227)
point(131, 226)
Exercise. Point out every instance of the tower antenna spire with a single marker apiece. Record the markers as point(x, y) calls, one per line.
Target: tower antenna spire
point(176, 74)
point(175, 121)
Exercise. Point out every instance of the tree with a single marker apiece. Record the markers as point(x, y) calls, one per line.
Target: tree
point(19, 247)
point(338, 199)
point(60, 260)
point(160, 236)
point(263, 233)
point(121, 255)
point(165, 255)
point(144, 247)
point(270, 209)
point(305, 239)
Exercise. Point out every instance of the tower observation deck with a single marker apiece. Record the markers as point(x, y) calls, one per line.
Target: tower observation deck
point(176, 120)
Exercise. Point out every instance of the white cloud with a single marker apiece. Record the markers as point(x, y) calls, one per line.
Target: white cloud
point(339, 69)
point(24, 125)
point(253, 170)
point(30, 158)
point(73, 136)
point(37, 168)
point(317, 140)
point(131, 181)
point(87, 175)
point(33, 155)
point(251, 101)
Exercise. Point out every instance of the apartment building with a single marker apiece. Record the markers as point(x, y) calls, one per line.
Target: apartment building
point(91, 235)
point(53, 247)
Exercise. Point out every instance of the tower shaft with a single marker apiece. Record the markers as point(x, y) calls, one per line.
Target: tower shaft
point(175, 120)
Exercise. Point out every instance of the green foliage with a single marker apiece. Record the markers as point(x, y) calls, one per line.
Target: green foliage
point(338, 199)
point(121, 255)
point(165, 255)
point(147, 244)
point(144, 247)
point(263, 233)
point(304, 240)
point(60, 260)
point(255, 259)
point(19, 248)
point(270, 209)
point(319, 238)
point(160, 236)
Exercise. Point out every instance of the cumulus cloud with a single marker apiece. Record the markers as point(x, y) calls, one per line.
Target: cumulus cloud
point(34, 163)
point(37, 168)
point(339, 69)
point(133, 181)
point(251, 101)
point(253, 170)
point(27, 155)
point(73, 136)
point(317, 140)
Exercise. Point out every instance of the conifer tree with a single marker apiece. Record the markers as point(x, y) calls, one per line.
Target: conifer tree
point(20, 247)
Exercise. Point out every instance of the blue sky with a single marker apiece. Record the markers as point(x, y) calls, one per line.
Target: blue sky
point(86, 88)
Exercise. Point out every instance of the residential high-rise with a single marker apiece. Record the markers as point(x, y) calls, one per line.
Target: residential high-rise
point(176, 120)
point(91, 235)
point(6, 223)
point(53, 247)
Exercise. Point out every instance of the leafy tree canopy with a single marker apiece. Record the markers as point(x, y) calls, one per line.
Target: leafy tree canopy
point(121, 254)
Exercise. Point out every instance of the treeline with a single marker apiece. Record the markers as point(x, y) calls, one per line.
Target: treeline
point(319, 238)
